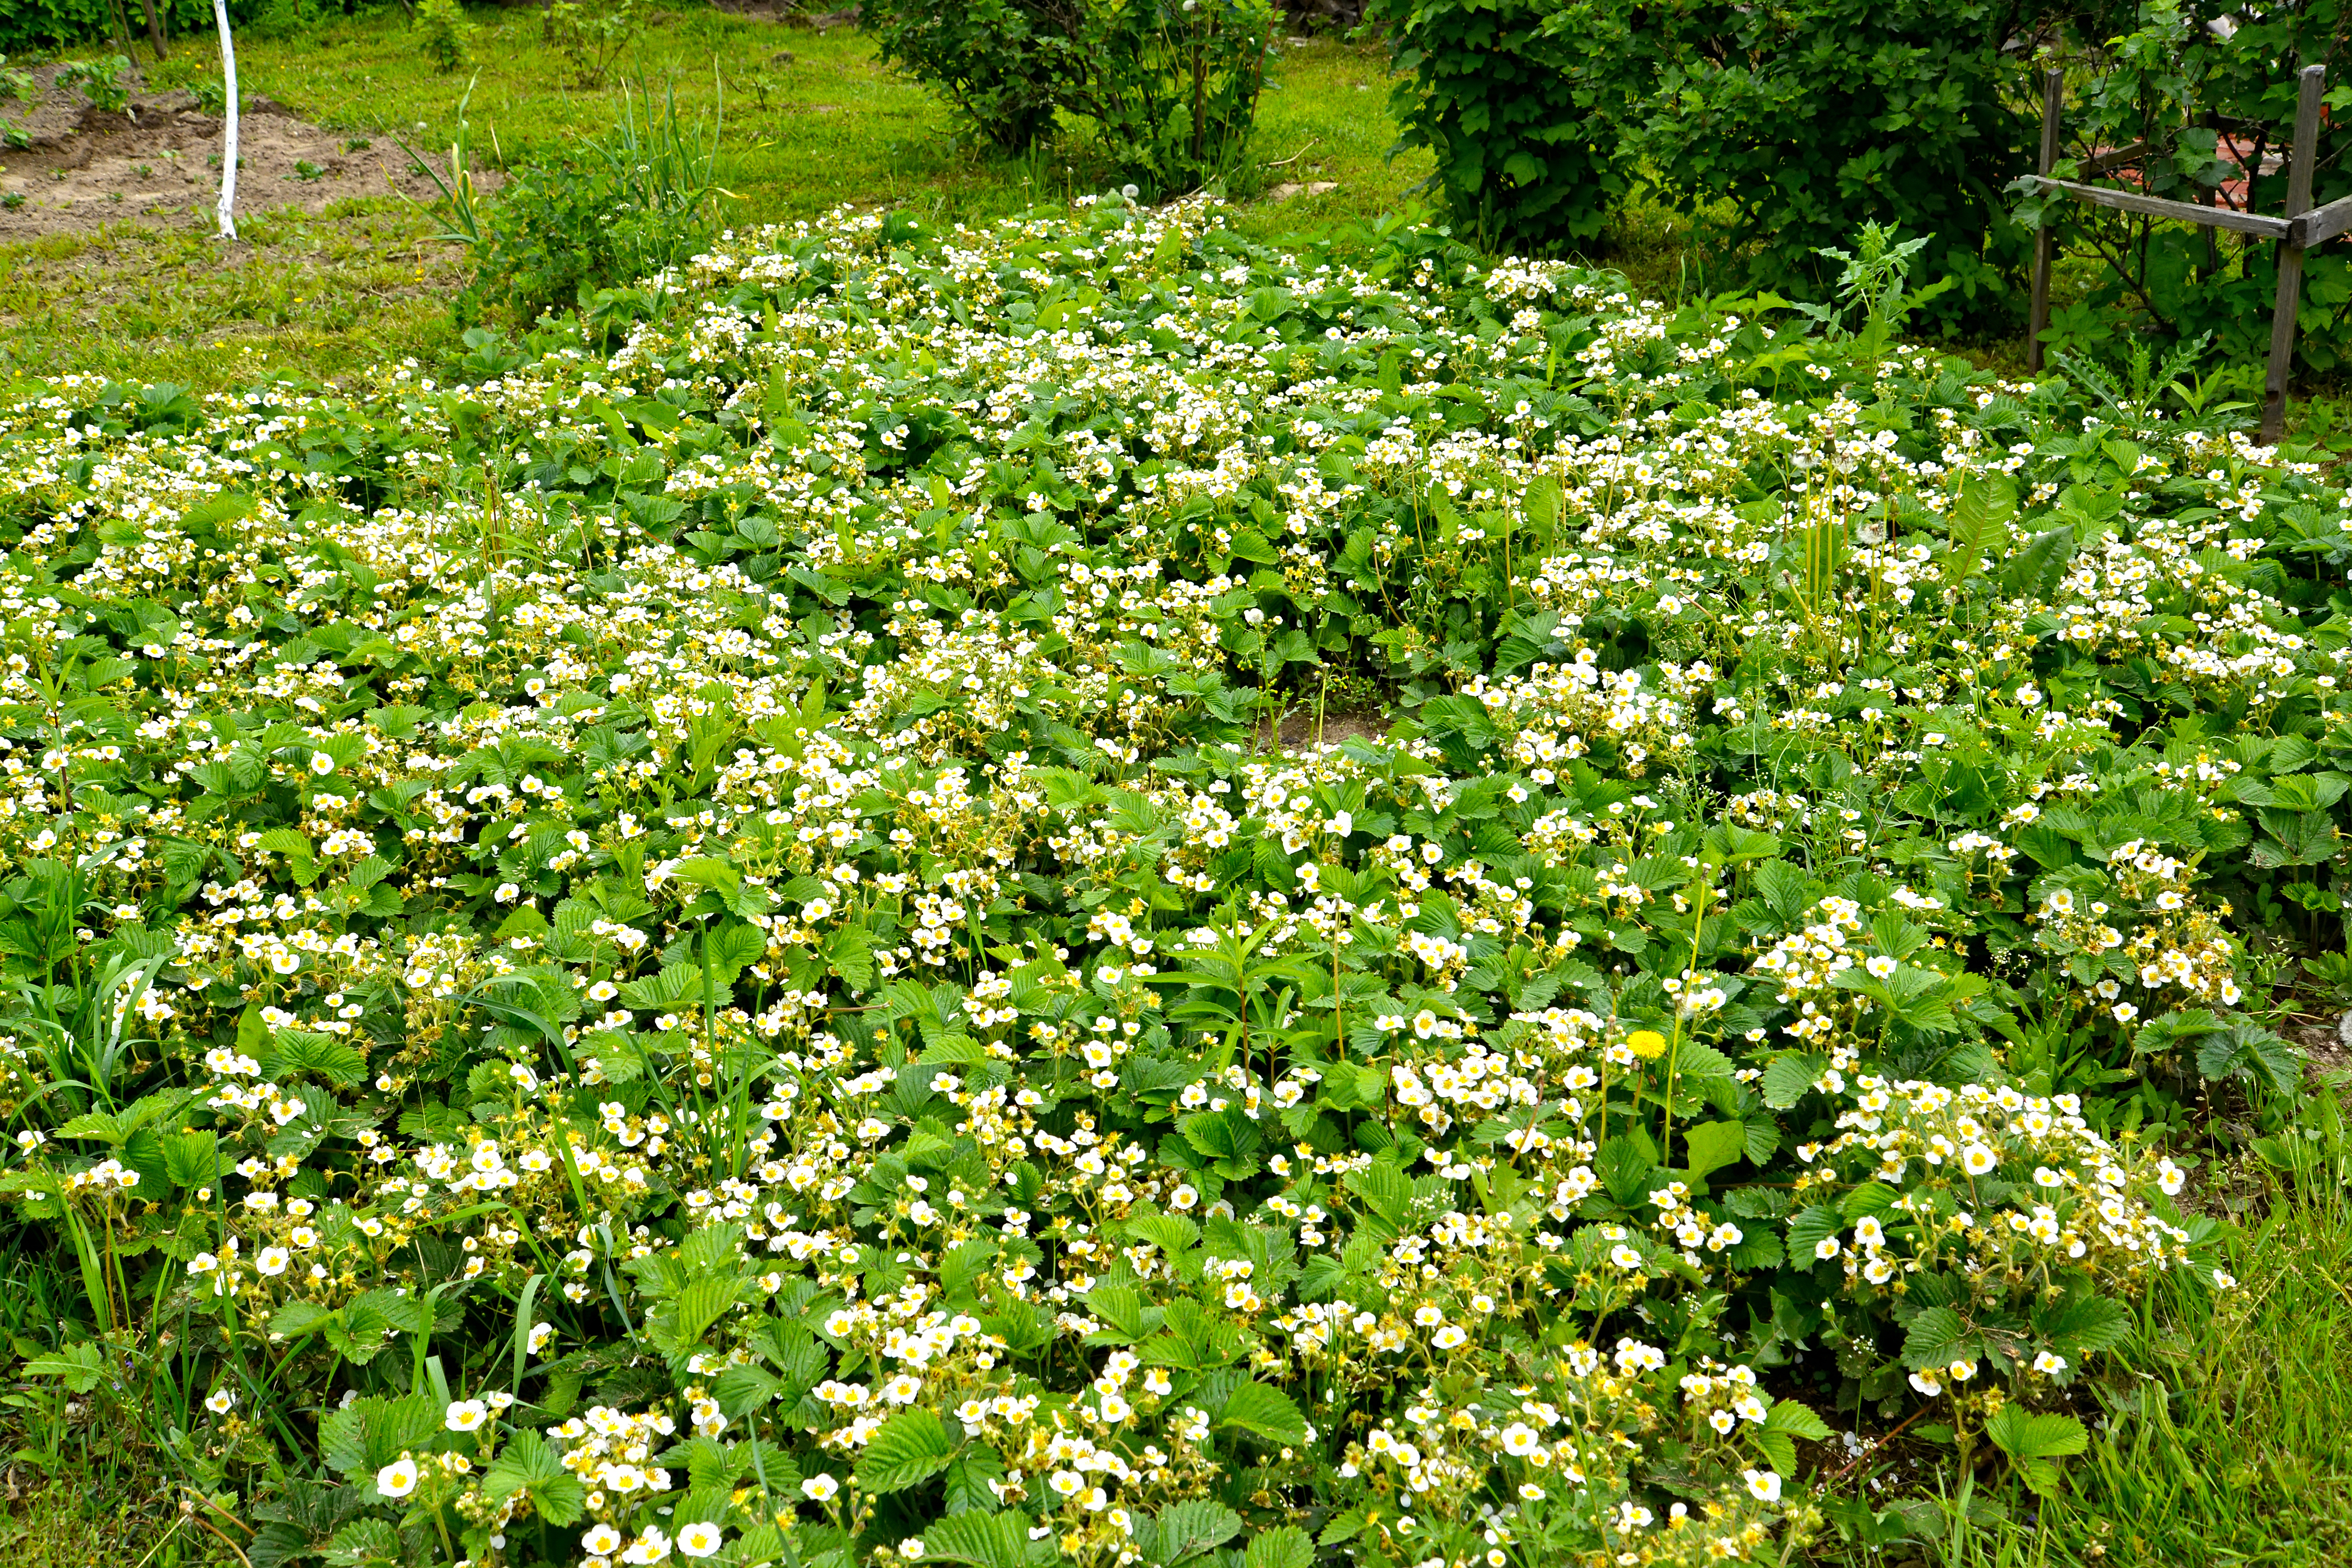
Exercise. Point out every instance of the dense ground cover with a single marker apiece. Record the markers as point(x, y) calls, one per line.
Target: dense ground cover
point(745, 948)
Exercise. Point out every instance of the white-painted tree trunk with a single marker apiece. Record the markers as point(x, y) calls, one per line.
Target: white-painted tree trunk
point(227, 211)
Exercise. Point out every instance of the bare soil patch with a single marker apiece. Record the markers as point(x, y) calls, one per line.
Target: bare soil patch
point(763, 10)
point(1300, 730)
point(82, 167)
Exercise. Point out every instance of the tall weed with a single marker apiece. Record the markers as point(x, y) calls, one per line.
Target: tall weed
point(620, 207)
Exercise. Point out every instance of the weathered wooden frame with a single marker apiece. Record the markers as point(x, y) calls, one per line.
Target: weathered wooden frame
point(2304, 226)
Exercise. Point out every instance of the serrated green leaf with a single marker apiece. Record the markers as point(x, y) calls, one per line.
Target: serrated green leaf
point(1285, 1547)
point(1190, 1528)
point(1939, 1337)
point(528, 1464)
point(1265, 1413)
point(2033, 1442)
point(910, 1448)
point(1711, 1145)
point(1798, 1419)
point(364, 1543)
point(985, 1539)
point(1789, 1079)
point(1808, 1228)
point(78, 1366)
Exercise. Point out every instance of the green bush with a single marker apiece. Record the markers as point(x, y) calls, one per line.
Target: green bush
point(1805, 121)
point(21, 86)
point(34, 26)
point(445, 36)
point(1779, 130)
point(106, 82)
point(276, 20)
point(592, 33)
point(1171, 86)
point(1527, 129)
point(1004, 67)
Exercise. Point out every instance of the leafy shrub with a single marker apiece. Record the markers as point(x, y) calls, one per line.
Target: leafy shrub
point(1173, 88)
point(1170, 85)
point(694, 949)
point(1004, 67)
point(1523, 123)
point(1779, 130)
point(594, 33)
point(1809, 120)
point(19, 85)
point(281, 19)
point(48, 27)
point(445, 37)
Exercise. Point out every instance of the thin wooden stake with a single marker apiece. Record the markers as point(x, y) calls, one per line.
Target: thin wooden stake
point(2053, 87)
point(2312, 84)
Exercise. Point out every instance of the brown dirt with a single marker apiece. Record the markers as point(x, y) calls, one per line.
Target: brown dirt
point(823, 21)
point(84, 168)
point(763, 10)
point(1298, 730)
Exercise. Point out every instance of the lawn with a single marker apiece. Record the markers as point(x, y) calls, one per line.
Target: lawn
point(1215, 885)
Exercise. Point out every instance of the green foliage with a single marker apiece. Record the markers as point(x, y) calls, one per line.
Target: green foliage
point(1173, 85)
point(1525, 121)
point(19, 85)
point(1170, 86)
point(592, 217)
point(592, 33)
point(284, 19)
point(443, 35)
point(40, 27)
point(2162, 79)
point(105, 82)
point(778, 985)
point(2036, 1443)
point(1004, 67)
point(1871, 288)
point(46, 27)
point(1804, 122)
point(1779, 130)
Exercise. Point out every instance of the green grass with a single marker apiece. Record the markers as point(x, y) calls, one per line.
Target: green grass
point(315, 293)
point(367, 281)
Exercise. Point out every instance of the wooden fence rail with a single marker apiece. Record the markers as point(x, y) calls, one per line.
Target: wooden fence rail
point(2304, 227)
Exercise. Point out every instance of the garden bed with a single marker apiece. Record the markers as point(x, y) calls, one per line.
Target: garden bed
point(157, 161)
point(732, 933)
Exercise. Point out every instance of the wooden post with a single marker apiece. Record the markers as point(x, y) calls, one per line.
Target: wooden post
point(2053, 87)
point(2312, 83)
